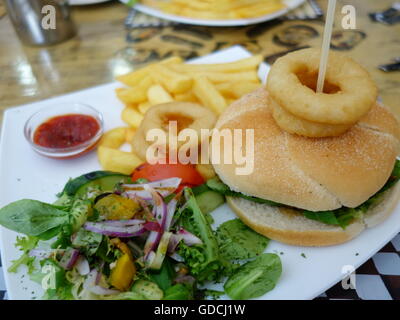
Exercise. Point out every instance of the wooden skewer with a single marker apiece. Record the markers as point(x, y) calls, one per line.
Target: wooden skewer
point(326, 41)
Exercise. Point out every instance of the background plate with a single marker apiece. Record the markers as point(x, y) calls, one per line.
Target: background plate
point(307, 272)
point(291, 4)
point(85, 2)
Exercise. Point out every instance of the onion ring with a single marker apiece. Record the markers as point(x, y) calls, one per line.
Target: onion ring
point(295, 125)
point(349, 91)
point(187, 115)
point(139, 144)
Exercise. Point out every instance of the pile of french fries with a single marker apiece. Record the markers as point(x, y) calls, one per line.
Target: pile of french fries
point(213, 86)
point(218, 10)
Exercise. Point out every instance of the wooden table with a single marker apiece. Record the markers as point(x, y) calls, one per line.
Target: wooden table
point(101, 50)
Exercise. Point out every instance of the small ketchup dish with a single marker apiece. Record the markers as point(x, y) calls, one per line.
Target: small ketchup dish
point(64, 131)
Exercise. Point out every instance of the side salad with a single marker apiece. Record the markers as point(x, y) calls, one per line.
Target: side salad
point(110, 238)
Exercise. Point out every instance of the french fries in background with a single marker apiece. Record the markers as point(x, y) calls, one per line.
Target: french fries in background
point(217, 10)
point(214, 86)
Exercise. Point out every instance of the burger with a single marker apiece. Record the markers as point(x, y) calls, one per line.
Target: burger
point(311, 191)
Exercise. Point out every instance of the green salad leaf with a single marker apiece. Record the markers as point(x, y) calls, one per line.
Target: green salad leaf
point(87, 241)
point(254, 278)
point(203, 259)
point(32, 217)
point(341, 217)
point(25, 244)
point(238, 242)
point(163, 278)
point(53, 276)
point(179, 291)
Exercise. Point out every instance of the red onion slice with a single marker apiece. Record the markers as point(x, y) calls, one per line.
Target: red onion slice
point(189, 238)
point(123, 223)
point(185, 279)
point(173, 242)
point(160, 213)
point(90, 285)
point(115, 231)
point(151, 243)
point(165, 187)
point(159, 208)
point(152, 226)
point(69, 258)
point(82, 266)
point(171, 207)
point(149, 259)
point(176, 257)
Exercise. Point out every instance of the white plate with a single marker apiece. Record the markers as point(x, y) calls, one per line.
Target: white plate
point(85, 2)
point(290, 5)
point(25, 174)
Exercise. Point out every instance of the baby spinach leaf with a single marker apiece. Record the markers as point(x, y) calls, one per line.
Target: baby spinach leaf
point(179, 291)
point(237, 241)
point(163, 278)
point(254, 278)
point(32, 217)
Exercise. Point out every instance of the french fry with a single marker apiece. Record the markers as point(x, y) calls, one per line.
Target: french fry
point(226, 89)
point(218, 77)
point(235, 90)
point(144, 106)
point(131, 117)
point(206, 171)
point(117, 160)
point(113, 138)
point(247, 64)
point(129, 133)
point(240, 89)
point(134, 78)
point(157, 94)
point(213, 85)
point(129, 95)
point(186, 97)
point(135, 94)
point(198, 5)
point(210, 97)
point(171, 80)
point(221, 9)
point(207, 15)
point(261, 9)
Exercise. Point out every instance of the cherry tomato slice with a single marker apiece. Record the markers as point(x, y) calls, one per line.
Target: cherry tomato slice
point(153, 172)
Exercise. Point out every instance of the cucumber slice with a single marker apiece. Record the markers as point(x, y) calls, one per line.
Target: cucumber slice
point(209, 200)
point(105, 184)
point(200, 189)
point(161, 251)
point(148, 289)
point(106, 180)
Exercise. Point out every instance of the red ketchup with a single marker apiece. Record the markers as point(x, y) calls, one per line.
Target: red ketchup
point(66, 131)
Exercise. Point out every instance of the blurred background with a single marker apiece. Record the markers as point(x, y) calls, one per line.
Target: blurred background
point(111, 39)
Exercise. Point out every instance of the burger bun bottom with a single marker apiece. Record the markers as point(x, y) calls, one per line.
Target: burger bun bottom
point(291, 227)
